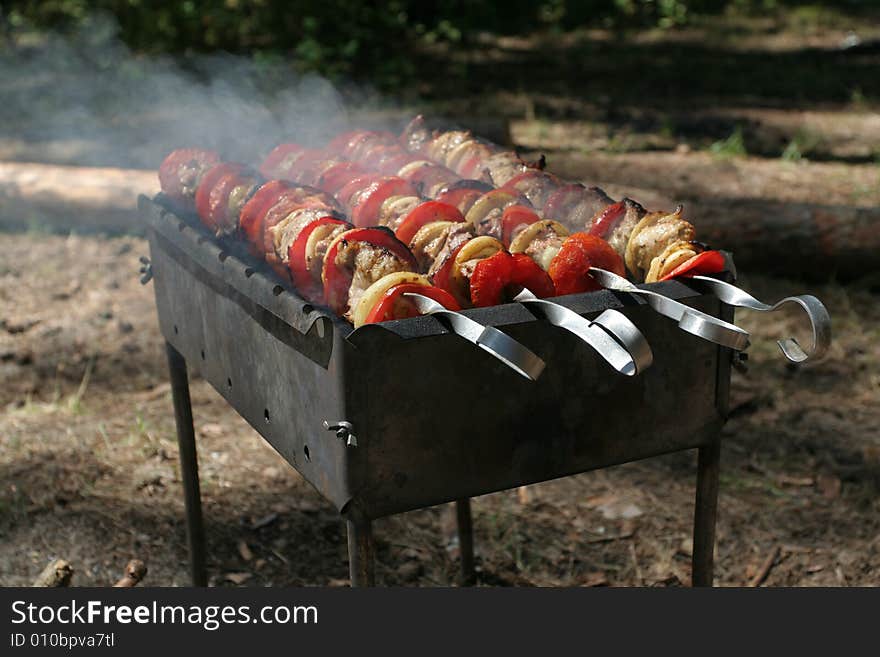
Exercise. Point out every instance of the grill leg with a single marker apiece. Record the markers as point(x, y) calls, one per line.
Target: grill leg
point(465, 540)
point(705, 512)
point(189, 466)
point(360, 552)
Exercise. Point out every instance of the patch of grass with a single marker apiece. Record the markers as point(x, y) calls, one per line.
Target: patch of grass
point(733, 146)
point(801, 145)
point(858, 99)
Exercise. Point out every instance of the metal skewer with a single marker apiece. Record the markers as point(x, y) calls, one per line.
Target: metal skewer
point(689, 319)
point(820, 320)
point(500, 345)
point(614, 337)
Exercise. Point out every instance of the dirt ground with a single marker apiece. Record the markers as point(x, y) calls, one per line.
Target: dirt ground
point(88, 461)
point(88, 456)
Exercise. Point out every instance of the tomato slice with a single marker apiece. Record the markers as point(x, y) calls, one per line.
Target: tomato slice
point(181, 170)
point(337, 280)
point(570, 268)
point(365, 209)
point(607, 220)
point(515, 216)
point(707, 262)
point(393, 305)
point(424, 214)
point(296, 258)
point(338, 176)
point(280, 158)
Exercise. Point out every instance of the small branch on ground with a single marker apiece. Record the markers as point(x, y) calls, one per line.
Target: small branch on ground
point(135, 571)
point(56, 574)
point(765, 568)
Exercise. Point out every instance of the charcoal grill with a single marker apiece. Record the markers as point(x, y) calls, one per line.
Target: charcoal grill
point(404, 415)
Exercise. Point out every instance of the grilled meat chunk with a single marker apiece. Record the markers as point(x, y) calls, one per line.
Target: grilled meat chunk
point(369, 263)
point(652, 235)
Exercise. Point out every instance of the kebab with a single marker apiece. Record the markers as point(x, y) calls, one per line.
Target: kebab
point(299, 230)
point(493, 212)
point(652, 244)
point(476, 270)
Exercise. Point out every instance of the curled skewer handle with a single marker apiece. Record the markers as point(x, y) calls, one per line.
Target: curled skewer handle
point(689, 319)
point(817, 313)
point(614, 337)
point(500, 345)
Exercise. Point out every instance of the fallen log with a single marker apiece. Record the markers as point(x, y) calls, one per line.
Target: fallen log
point(56, 574)
point(65, 198)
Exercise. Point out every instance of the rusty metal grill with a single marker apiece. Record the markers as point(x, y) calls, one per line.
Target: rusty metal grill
point(403, 415)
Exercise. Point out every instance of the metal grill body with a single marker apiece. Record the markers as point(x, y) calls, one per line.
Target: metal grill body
point(436, 420)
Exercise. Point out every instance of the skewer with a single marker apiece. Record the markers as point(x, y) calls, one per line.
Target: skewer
point(500, 345)
point(689, 319)
point(820, 320)
point(614, 337)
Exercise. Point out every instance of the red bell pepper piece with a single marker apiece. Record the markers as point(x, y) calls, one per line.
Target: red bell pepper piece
point(355, 186)
point(393, 305)
point(340, 144)
point(707, 262)
point(462, 198)
point(299, 266)
point(209, 180)
point(491, 276)
point(442, 278)
point(365, 206)
point(257, 205)
point(608, 220)
point(498, 278)
point(424, 214)
point(570, 268)
point(338, 176)
point(515, 216)
point(528, 273)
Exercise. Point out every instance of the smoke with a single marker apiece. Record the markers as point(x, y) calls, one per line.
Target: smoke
point(84, 98)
